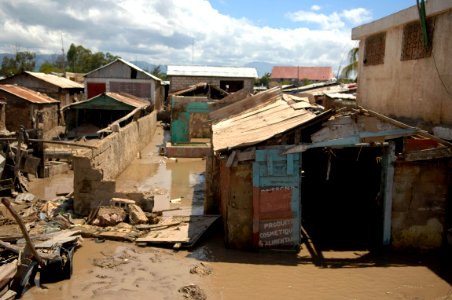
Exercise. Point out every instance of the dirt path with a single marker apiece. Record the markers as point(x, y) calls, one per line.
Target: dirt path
point(114, 270)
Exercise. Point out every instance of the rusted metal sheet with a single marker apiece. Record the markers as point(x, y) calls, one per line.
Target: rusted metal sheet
point(276, 202)
point(58, 81)
point(27, 94)
point(272, 115)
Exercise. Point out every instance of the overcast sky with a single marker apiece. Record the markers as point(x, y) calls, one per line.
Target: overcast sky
point(216, 32)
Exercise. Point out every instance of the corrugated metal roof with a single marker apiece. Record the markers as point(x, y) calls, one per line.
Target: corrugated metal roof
point(27, 94)
point(239, 72)
point(61, 82)
point(310, 73)
point(120, 97)
point(130, 65)
point(251, 102)
point(258, 124)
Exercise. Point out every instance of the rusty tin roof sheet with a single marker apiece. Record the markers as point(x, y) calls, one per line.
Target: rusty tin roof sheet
point(61, 82)
point(259, 123)
point(310, 73)
point(27, 94)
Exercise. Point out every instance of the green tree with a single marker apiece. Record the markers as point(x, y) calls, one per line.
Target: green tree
point(264, 80)
point(351, 69)
point(54, 65)
point(22, 61)
point(82, 60)
point(157, 72)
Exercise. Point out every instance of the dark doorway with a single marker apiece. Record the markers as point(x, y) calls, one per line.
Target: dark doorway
point(340, 197)
point(231, 86)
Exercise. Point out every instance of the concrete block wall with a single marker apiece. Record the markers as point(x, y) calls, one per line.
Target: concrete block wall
point(420, 196)
point(95, 170)
point(180, 82)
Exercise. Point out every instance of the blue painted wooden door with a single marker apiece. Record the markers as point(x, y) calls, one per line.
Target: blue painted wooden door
point(276, 199)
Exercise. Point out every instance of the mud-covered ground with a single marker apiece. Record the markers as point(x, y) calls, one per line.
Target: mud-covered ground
point(115, 270)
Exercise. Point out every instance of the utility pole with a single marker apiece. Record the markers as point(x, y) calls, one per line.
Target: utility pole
point(64, 58)
point(192, 50)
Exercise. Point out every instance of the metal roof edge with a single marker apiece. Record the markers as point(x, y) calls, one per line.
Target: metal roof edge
point(432, 7)
point(127, 63)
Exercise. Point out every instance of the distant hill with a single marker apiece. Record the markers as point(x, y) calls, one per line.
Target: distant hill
point(261, 67)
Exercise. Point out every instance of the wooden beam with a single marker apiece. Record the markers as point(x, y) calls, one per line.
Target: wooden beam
point(388, 182)
point(403, 125)
point(428, 154)
point(246, 155)
point(231, 159)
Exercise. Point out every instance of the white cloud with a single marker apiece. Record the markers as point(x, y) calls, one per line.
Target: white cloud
point(357, 15)
point(331, 21)
point(171, 32)
point(316, 7)
point(335, 20)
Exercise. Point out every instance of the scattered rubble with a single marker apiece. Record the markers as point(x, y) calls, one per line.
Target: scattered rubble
point(201, 269)
point(192, 292)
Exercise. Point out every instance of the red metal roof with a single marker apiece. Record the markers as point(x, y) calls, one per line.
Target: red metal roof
point(310, 73)
point(27, 94)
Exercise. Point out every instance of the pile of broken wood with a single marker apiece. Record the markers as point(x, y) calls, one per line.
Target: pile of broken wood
point(22, 257)
point(121, 219)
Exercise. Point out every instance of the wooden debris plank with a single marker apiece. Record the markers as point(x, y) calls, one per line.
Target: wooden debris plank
point(51, 239)
point(7, 272)
point(9, 295)
point(187, 232)
point(231, 159)
point(17, 249)
point(116, 236)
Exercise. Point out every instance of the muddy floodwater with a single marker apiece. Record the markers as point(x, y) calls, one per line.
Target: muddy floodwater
point(115, 270)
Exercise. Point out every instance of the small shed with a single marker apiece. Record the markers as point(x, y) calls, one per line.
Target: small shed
point(230, 79)
point(60, 88)
point(121, 76)
point(371, 181)
point(86, 118)
point(190, 107)
point(257, 187)
point(25, 107)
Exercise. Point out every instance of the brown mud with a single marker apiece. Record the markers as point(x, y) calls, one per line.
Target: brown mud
point(114, 270)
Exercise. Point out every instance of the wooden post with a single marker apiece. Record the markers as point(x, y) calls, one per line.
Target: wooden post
point(388, 180)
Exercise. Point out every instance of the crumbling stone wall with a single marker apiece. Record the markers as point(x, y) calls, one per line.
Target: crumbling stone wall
point(95, 170)
point(420, 196)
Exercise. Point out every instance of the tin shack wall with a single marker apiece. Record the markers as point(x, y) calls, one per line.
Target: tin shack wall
point(420, 195)
point(236, 186)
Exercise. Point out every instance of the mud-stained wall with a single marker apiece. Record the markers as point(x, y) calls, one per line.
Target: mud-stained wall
point(420, 196)
point(22, 113)
point(415, 88)
point(236, 185)
point(95, 170)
